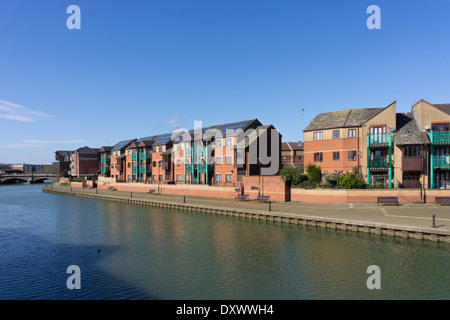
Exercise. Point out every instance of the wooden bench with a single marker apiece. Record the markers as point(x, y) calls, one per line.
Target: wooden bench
point(112, 189)
point(242, 197)
point(151, 191)
point(387, 200)
point(262, 198)
point(442, 200)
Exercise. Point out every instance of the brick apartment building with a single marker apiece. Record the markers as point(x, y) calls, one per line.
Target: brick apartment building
point(215, 155)
point(85, 162)
point(292, 154)
point(63, 159)
point(389, 148)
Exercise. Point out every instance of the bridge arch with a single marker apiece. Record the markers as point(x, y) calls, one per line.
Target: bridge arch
point(10, 179)
point(41, 180)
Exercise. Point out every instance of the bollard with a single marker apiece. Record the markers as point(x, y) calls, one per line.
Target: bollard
point(131, 194)
point(184, 199)
point(270, 206)
point(434, 221)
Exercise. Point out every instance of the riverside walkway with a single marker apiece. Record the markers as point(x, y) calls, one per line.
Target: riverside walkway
point(405, 220)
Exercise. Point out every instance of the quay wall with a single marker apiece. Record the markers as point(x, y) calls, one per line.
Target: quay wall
point(349, 225)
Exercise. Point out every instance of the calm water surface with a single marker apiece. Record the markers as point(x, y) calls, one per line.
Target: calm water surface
point(150, 253)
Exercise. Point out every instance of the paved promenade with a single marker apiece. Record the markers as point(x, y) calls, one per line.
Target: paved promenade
point(410, 217)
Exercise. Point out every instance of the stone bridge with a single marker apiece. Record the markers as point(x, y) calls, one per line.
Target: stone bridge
point(27, 177)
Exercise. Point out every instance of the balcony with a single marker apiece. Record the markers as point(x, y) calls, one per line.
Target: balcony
point(204, 167)
point(379, 163)
point(379, 140)
point(145, 156)
point(440, 137)
point(134, 156)
point(188, 167)
point(441, 162)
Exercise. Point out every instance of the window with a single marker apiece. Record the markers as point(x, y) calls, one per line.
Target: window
point(352, 133)
point(218, 160)
point(412, 151)
point(129, 177)
point(160, 163)
point(229, 160)
point(154, 163)
point(154, 149)
point(129, 164)
point(411, 175)
point(218, 178)
point(179, 163)
point(160, 149)
point(160, 177)
point(218, 143)
point(377, 130)
point(352, 156)
point(228, 142)
point(440, 126)
point(318, 136)
point(179, 147)
point(335, 134)
point(336, 156)
point(229, 177)
point(154, 177)
point(178, 177)
point(318, 157)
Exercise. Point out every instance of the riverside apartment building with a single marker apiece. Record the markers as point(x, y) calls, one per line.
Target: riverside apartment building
point(219, 155)
point(390, 149)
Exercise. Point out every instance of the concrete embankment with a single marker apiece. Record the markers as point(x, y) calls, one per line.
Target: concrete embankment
point(407, 221)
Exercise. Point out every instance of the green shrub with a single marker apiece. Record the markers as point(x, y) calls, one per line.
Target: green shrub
point(349, 181)
point(314, 172)
point(292, 175)
point(308, 184)
point(64, 184)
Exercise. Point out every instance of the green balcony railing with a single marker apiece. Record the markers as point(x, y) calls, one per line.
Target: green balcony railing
point(203, 167)
point(134, 156)
point(440, 137)
point(379, 139)
point(441, 162)
point(379, 163)
point(144, 155)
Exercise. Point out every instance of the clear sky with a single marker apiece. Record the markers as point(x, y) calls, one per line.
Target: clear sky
point(141, 67)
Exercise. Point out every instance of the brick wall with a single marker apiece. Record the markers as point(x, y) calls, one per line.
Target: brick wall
point(354, 196)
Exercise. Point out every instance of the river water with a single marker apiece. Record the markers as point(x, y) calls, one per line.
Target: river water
point(134, 252)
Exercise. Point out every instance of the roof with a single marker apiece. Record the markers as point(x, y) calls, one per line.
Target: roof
point(229, 129)
point(87, 150)
point(122, 144)
point(288, 146)
point(105, 149)
point(408, 131)
point(342, 119)
point(444, 107)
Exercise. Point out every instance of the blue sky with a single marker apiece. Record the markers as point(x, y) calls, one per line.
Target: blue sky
point(137, 68)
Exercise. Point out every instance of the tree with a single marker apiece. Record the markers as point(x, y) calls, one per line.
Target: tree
point(291, 175)
point(314, 172)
